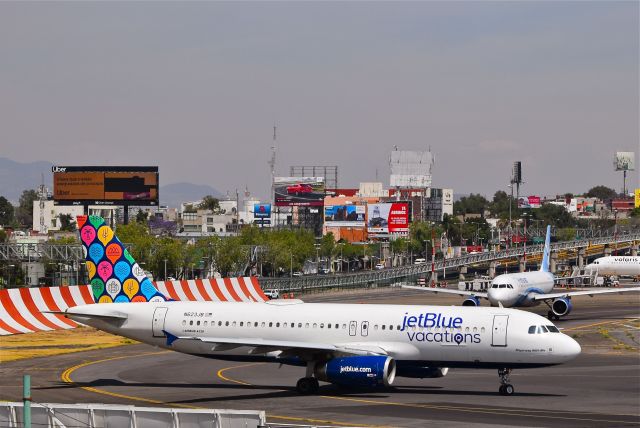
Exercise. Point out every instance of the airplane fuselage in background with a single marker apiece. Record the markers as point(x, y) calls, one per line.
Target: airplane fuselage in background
point(517, 289)
point(616, 265)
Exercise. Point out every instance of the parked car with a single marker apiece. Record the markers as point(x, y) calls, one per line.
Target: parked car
point(380, 266)
point(272, 294)
point(419, 261)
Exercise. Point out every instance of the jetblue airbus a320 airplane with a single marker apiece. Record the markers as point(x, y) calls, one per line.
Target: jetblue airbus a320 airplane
point(354, 345)
point(526, 289)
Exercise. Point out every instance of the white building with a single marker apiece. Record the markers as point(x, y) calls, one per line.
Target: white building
point(48, 218)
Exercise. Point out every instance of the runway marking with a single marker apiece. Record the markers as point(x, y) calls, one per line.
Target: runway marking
point(592, 325)
point(221, 376)
point(507, 412)
point(66, 377)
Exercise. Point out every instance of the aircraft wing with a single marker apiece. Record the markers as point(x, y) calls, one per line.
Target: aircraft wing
point(290, 347)
point(582, 293)
point(447, 291)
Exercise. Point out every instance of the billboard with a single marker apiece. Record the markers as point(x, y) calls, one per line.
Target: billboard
point(344, 215)
point(637, 198)
point(262, 214)
point(98, 185)
point(529, 202)
point(410, 169)
point(388, 218)
point(299, 191)
point(624, 161)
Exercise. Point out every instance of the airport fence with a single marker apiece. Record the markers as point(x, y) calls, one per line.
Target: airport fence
point(108, 415)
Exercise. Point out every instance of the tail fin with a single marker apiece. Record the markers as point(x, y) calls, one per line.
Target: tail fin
point(114, 275)
point(546, 252)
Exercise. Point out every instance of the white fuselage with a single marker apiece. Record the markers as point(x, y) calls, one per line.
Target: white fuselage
point(515, 289)
point(616, 265)
point(446, 336)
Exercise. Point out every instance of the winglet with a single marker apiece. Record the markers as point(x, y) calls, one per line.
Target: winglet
point(170, 337)
point(546, 252)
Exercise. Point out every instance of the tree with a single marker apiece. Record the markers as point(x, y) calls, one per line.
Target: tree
point(212, 204)
point(67, 223)
point(603, 193)
point(499, 207)
point(24, 213)
point(6, 211)
point(472, 204)
point(141, 216)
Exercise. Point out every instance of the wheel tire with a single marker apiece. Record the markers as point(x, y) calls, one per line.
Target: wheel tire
point(307, 385)
point(508, 389)
point(501, 390)
point(556, 317)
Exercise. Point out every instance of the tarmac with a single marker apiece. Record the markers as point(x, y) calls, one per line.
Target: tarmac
point(600, 388)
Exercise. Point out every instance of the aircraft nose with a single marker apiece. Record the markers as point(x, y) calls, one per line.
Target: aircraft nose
point(570, 348)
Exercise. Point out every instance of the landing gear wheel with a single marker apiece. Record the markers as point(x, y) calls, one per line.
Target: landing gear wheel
point(507, 389)
point(550, 315)
point(556, 317)
point(307, 385)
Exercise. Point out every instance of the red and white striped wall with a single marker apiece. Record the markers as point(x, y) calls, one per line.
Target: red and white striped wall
point(21, 308)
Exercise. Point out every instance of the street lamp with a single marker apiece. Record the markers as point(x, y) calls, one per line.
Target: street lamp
point(165, 269)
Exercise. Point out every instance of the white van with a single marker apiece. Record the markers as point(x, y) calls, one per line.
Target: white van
point(419, 261)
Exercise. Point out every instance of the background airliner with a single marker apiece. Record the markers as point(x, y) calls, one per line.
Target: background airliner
point(353, 345)
point(526, 289)
point(616, 265)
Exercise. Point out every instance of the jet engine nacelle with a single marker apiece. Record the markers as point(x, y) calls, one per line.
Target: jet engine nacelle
point(471, 301)
point(358, 370)
point(421, 372)
point(561, 306)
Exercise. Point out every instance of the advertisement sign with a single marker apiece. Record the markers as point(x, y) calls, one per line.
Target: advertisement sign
point(637, 199)
point(123, 185)
point(624, 161)
point(388, 218)
point(261, 210)
point(299, 191)
point(529, 202)
point(344, 215)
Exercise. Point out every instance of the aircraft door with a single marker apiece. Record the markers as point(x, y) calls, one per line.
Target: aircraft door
point(353, 328)
point(364, 328)
point(499, 332)
point(159, 316)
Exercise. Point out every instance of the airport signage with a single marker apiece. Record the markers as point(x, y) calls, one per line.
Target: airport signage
point(344, 215)
point(299, 191)
point(388, 218)
point(113, 185)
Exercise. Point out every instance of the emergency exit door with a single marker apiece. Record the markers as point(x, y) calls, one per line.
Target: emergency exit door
point(158, 321)
point(499, 332)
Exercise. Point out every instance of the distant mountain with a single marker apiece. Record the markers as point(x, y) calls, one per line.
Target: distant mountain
point(15, 177)
point(172, 195)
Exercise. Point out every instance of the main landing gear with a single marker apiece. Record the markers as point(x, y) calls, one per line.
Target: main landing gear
point(308, 385)
point(505, 387)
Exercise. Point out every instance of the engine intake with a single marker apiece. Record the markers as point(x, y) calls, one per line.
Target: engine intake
point(562, 306)
point(471, 301)
point(358, 371)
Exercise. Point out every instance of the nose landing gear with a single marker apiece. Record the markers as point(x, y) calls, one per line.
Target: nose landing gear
point(505, 387)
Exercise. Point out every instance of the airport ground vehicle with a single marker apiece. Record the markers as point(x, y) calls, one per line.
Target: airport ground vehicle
point(272, 294)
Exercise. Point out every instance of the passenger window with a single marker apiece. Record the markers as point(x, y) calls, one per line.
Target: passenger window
point(184, 322)
point(277, 324)
point(205, 323)
point(226, 324)
point(375, 327)
point(344, 326)
point(241, 324)
point(191, 322)
point(233, 324)
point(475, 329)
point(306, 325)
point(384, 326)
point(482, 330)
point(328, 325)
point(299, 325)
point(219, 323)
point(466, 329)
point(321, 325)
point(263, 324)
point(315, 325)
point(532, 329)
point(293, 325)
point(337, 325)
point(284, 325)
point(270, 324)
point(198, 323)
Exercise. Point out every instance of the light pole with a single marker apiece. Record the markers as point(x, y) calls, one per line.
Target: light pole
point(291, 265)
point(165, 269)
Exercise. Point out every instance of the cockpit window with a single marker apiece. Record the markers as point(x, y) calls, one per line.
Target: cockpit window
point(544, 329)
point(532, 329)
point(503, 286)
point(494, 286)
point(553, 329)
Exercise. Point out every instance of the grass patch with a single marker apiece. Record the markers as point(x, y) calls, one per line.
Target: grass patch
point(47, 343)
point(604, 333)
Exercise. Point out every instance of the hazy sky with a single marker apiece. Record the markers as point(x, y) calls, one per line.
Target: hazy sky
point(195, 88)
